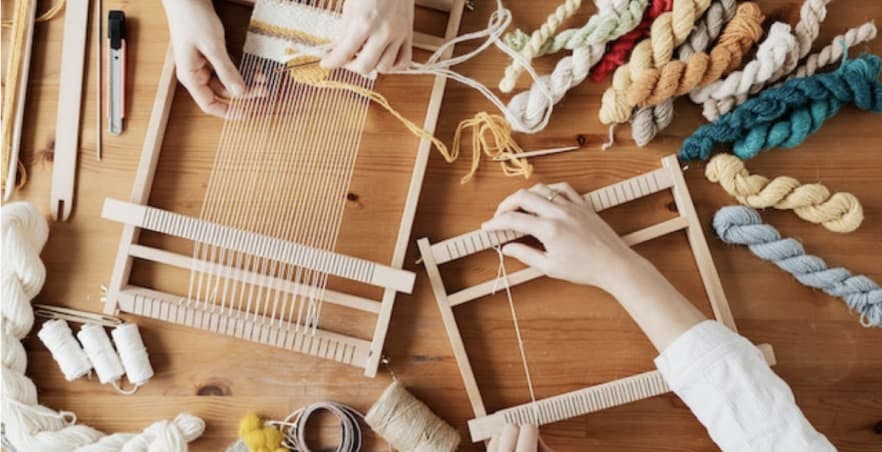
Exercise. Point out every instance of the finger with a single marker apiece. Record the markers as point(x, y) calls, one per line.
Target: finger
point(405, 54)
point(387, 61)
point(528, 255)
point(345, 50)
point(528, 439)
point(529, 201)
point(369, 56)
point(520, 222)
point(493, 445)
point(568, 192)
point(508, 438)
point(197, 84)
point(225, 69)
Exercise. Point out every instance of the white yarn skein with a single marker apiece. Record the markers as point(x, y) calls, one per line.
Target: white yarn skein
point(97, 345)
point(528, 110)
point(770, 57)
point(132, 353)
point(66, 351)
point(30, 426)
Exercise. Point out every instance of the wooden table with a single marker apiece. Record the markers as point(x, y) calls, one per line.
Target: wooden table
point(574, 336)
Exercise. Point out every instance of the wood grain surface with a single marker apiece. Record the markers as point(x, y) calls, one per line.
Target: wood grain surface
point(574, 336)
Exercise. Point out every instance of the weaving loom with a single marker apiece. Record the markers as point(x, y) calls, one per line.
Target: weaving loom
point(592, 398)
point(264, 241)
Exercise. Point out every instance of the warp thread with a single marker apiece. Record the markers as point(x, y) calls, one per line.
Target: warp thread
point(614, 18)
point(811, 14)
point(788, 114)
point(617, 51)
point(838, 212)
point(668, 31)
point(647, 122)
point(531, 106)
point(677, 78)
point(742, 225)
point(29, 425)
point(532, 45)
point(406, 423)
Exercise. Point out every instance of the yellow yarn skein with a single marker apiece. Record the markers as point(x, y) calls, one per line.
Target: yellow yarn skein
point(259, 438)
point(839, 212)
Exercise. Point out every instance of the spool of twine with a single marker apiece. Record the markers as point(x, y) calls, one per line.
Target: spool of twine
point(407, 424)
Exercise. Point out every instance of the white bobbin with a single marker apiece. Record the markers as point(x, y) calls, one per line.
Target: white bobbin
point(66, 351)
point(97, 345)
point(132, 353)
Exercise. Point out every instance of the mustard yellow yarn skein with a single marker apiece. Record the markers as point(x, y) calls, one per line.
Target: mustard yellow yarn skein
point(258, 437)
point(839, 212)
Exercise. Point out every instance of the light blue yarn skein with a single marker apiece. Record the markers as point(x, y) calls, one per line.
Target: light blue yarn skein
point(742, 225)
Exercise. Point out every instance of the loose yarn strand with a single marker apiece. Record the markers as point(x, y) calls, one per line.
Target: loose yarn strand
point(838, 212)
point(532, 47)
point(29, 425)
point(647, 122)
point(741, 225)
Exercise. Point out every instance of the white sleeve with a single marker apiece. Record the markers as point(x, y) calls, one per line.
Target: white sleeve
point(733, 392)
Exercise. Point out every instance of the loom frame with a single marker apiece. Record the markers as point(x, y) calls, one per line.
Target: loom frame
point(124, 296)
point(592, 398)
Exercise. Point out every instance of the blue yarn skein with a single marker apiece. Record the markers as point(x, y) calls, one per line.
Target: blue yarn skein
point(742, 225)
point(791, 111)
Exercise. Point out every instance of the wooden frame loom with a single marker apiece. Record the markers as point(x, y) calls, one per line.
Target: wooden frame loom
point(592, 398)
point(136, 215)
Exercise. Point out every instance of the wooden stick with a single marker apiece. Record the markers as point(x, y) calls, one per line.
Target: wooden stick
point(70, 91)
point(15, 143)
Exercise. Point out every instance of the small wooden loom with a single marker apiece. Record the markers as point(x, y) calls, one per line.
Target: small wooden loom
point(592, 398)
point(292, 260)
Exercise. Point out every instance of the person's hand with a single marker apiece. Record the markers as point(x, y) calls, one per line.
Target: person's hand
point(514, 438)
point(579, 246)
point(203, 64)
point(376, 35)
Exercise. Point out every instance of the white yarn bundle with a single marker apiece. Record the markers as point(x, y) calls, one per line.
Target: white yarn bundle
point(29, 426)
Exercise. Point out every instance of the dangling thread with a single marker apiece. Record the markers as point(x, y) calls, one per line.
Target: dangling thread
point(66, 351)
point(406, 423)
point(743, 226)
point(502, 276)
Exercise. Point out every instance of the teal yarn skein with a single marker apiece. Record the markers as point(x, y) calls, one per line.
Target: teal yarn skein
point(788, 114)
point(742, 225)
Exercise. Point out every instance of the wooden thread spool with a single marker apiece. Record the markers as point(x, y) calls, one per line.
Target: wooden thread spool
point(66, 351)
point(406, 423)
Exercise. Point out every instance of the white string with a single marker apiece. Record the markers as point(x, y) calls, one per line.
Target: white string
point(502, 276)
point(293, 427)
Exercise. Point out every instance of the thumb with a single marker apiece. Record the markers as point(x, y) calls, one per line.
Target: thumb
point(226, 70)
point(526, 254)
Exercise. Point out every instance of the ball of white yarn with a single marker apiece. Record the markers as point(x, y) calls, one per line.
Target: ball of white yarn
point(30, 426)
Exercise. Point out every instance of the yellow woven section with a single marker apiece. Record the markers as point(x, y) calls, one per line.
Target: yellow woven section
point(287, 33)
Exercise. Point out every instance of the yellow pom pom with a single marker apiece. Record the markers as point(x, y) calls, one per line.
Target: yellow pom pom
point(259, 438)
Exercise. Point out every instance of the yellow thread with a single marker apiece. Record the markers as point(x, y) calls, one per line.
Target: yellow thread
point(491, 136)
point(270, 29)
point(258, 437)
point(839, 212)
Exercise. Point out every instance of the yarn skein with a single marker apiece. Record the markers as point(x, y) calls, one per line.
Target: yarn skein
point(668, 31)
point(811, 14)
point(838, 212)
point(856, 81)
point(835, 50)
point(29, 425)
point(259, 437)
point(649, 121)
point(677, 78)
point(66, 351)
point(601, 27)
point(741, 225)
point(406, 423)
point(533, 46)
point(531, 106)
point(617, 51)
